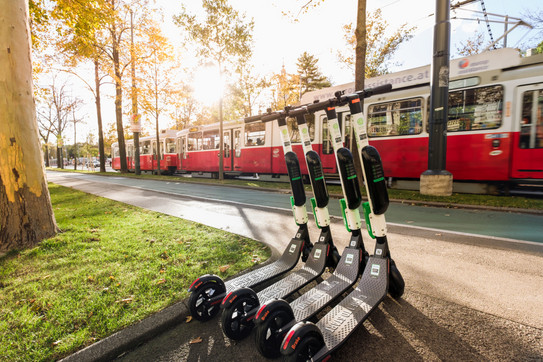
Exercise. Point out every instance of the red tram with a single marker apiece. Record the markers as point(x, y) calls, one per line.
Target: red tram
point(148, 153)
point(495, 127)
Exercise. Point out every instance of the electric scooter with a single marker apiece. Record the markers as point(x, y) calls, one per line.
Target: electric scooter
point(309, 341)
point(241, 305)
point(277, 316)
point(208, 291)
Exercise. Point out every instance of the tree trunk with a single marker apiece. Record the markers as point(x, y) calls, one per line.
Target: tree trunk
point(360, 64)
point(119, 99)
point(101, 149)
point(26, 215)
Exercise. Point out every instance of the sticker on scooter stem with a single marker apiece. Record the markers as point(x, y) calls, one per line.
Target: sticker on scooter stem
point(318, 253)
point(292, 248)
point(375, 269)
point(349, 259)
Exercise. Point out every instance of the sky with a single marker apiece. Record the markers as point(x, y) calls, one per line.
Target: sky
point(279, 41)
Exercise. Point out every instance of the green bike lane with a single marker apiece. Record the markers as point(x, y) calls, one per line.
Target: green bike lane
point(496, 224)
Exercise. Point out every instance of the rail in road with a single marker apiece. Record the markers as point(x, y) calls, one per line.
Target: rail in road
point(494, 224)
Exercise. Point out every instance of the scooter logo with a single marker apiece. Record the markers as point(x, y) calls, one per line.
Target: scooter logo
point(349, 259)
point(463, 63)
point(295, 343)
point(304, 130)
point(360, 121)
point(292, 248)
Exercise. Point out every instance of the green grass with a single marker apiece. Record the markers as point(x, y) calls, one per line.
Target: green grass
point(407, 195)
point(112, 265)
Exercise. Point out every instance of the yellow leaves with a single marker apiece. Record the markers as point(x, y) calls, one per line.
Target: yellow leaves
point(189, 319)
point(90, 279)
point(161, 281)
point(196, 340)
point(224, 268)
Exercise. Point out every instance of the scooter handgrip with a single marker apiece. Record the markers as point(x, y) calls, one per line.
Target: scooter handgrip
point(270, 117)
point(317, 178)
point(252, 119)
point(315, 107)
point(297, 111)
point(295, 178)
point(373, 91)
point(375, 179)
point(349, 178)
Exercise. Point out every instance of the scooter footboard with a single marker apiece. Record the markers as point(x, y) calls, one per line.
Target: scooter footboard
point(344, 318)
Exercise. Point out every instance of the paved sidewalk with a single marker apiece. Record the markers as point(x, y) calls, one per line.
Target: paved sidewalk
point(467, 298)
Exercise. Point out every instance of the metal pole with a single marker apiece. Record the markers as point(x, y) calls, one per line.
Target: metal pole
point(505, 31)
point(137, 169)
point(221, 138)
point(437, 143)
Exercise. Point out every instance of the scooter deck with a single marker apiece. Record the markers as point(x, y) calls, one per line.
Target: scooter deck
point(338, 324)
point(285, 263)
point(344, 276)
point(314, 266)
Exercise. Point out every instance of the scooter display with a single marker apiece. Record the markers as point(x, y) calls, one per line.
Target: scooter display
point(241, 305)
point(277, 316)
point(309, 341)
point(208, 291)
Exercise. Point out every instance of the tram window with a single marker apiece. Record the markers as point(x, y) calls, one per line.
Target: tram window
point(210, 140)
point(531, 127)
point(195, 141)
point(293, 128)
point(115, 152)
point(475, 109)
point(226, 147)
point(395, 118)
point(145, 148)
point(170, 145)
point(254, 134)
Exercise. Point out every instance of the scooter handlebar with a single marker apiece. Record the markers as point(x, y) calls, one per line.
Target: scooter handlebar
point(315, 107)
point(366, 93)
point(252, 118)
point(297, 111)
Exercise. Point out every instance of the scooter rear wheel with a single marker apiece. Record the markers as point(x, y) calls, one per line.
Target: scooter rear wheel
point(308, 346)
point(396, 283)
point(199, 301)
point(233, 318)
point(268, 336)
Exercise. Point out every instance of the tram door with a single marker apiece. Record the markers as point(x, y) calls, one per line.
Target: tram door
point(327, 156)
point(130, 156)
point(528, 146)
point(181, 154)
point(229, 144)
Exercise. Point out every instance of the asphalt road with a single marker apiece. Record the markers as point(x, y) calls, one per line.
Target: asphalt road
point(468, 297)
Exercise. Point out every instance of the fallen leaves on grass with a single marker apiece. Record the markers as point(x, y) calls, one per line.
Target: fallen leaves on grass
point(224, 268)
point(125, 300)
point(189, 318)
point(161, 281)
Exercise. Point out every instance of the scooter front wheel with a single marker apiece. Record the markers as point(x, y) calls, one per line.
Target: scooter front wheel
point(200, 304)
point(269, 334)
point(234, 318)
point(307, 347)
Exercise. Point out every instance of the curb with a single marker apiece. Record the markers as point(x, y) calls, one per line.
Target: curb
point(113, 346)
